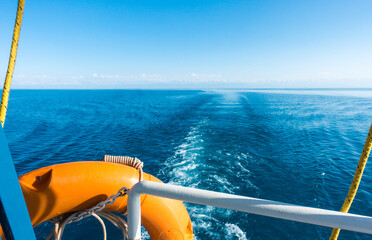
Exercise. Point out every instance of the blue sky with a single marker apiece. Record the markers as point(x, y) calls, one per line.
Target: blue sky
point(190, 44)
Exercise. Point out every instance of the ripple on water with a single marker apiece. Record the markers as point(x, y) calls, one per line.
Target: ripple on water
point(300, 148)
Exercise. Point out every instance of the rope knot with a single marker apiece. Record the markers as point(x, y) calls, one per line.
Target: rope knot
point(125, 160)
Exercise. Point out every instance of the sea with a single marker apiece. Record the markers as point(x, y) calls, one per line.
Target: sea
point(295, 146)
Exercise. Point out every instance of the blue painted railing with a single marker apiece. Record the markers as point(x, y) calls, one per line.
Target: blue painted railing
point(14, 218)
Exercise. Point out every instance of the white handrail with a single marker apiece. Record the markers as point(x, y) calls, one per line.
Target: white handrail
point(263, 207)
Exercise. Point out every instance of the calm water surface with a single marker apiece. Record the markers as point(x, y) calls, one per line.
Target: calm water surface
point(292, 146)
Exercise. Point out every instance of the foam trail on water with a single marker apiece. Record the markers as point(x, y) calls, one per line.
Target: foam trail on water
point(183, 167)
point(189, 167)
point(234, 232)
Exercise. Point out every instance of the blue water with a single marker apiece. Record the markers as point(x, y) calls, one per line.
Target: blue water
point(294, 146)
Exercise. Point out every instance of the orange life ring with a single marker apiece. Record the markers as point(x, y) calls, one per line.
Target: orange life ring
point(62, 188)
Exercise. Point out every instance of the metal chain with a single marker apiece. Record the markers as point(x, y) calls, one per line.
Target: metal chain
point(62, 220)
point(99, 207)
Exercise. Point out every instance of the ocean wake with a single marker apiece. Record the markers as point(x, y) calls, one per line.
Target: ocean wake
point(188, 167)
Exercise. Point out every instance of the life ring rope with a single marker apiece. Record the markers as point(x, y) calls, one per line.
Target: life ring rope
point(60, 222)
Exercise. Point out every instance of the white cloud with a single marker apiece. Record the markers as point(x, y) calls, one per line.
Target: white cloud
point(184, 80)
point(78, 77)
point(160, 78)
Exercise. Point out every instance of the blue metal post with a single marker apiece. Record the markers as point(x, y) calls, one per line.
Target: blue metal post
point(14, 218)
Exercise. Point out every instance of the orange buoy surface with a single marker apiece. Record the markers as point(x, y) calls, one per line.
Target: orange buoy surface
point(69, 187)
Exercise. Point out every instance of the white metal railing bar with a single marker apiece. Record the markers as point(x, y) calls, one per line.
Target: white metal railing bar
point(316, 216)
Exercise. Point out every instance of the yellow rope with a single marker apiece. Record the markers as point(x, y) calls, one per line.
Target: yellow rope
point(12, 58)
point(357, 177)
